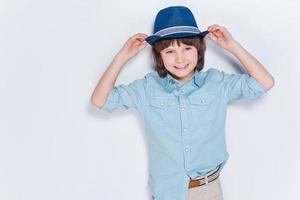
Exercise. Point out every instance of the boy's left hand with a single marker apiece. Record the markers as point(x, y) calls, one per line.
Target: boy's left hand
point(221, 36)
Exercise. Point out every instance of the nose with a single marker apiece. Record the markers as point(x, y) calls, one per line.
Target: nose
point(179, 57)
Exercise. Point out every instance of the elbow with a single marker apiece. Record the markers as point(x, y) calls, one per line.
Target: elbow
point(270, 83)
point(95, 102)
point(273, 82)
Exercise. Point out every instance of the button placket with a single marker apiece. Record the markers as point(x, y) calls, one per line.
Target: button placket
point(184, 124)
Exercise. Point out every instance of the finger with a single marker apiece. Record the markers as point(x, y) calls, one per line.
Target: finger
point(220, 31)
point(139, 42)
point(138, 39)
point(144, 44)
point(218, 28)
point(216, 33)
point(143, 35)
point(212, 37)
point(211, 27)
point(140, 35)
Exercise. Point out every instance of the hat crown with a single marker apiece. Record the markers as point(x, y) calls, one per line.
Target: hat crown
point(174, 16)
point(174, 22)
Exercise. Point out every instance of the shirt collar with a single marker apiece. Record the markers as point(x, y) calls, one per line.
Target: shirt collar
point(171, 83)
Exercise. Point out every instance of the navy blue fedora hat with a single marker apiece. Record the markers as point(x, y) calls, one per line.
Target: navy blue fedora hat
point(174, 22)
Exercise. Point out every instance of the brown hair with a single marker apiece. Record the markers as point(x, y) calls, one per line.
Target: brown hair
point(196, 41)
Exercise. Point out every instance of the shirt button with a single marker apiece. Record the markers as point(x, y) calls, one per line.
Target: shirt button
point(203, 100)
point(182, 108)
point(186, 149)
point(188, 169)
point(184, 129)
point(161, 104)
point(182, 90)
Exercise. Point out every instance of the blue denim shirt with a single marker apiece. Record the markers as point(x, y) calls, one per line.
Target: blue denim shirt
point(184, 123)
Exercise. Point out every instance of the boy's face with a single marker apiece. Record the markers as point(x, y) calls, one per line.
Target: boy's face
point(180, 61)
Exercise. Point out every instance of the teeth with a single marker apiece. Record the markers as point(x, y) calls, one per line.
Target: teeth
point(181, 67)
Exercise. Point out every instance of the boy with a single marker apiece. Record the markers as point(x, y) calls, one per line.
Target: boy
point(184, 109)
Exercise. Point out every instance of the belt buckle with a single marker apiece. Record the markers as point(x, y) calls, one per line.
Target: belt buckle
point(206, 180)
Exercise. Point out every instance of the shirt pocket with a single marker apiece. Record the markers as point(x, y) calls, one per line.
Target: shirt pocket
point(163, 110)
point(162, 102)
point(202, 100)
point(203, 108)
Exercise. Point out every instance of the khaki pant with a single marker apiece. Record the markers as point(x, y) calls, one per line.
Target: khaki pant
point(210, 191)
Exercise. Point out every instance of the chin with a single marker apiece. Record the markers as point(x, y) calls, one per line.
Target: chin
point(182, 74)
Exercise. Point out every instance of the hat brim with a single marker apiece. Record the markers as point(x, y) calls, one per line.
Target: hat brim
point(153, 38)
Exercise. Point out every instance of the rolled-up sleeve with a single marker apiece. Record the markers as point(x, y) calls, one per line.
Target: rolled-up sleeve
point(127, 96)
point(237, 86)
point(241, 86)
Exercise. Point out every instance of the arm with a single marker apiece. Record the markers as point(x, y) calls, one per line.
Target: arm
point(106, 83)
point(222, 37)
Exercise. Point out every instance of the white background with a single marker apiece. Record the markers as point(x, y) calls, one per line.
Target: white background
point(55, 145)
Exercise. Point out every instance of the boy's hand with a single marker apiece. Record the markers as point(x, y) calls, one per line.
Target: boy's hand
point(134, 45)
point(221, 36)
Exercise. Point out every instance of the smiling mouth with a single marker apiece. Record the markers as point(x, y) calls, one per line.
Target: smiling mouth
point(181, 67)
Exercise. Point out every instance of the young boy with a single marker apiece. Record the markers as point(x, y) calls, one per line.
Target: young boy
point(183, 107)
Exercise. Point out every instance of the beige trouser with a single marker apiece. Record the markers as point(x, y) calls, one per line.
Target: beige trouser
point(210, 191)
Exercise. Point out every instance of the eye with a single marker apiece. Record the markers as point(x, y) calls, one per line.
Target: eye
point(188, 48)
point(169, 52)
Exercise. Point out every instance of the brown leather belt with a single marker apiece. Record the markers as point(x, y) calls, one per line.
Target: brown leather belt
point(207, 179)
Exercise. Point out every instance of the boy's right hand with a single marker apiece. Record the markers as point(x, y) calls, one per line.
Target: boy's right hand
point(134, 45)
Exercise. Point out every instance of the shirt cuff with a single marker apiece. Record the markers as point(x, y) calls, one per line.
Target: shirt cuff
point(257, 86)
point(110, 103)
